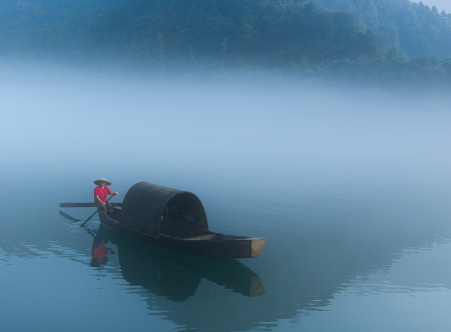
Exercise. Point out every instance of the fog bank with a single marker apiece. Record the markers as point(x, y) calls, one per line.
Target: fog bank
point(80, 125)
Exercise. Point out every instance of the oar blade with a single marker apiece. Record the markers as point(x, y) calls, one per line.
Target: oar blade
point(68, 217)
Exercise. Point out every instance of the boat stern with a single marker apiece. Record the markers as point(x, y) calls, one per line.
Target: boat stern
point(257, 247)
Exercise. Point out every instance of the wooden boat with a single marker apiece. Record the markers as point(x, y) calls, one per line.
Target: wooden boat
point(176, 220)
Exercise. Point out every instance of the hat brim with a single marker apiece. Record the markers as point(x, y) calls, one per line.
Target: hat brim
point(107, 183)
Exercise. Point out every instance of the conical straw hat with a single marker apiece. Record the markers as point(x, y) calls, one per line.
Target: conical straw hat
point(107, 183)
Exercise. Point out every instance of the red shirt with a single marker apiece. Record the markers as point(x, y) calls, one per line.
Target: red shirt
point(99, 251)
point(102, 193)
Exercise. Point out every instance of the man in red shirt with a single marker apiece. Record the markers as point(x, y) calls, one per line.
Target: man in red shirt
point(100, 195)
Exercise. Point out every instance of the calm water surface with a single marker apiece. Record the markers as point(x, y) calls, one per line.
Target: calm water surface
point(344, 257)
point(358, 228)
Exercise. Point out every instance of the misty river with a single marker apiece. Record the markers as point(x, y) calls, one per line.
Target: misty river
point(351, 188)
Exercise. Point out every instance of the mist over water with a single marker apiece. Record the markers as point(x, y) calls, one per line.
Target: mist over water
point(350, 187)
point(229, 127)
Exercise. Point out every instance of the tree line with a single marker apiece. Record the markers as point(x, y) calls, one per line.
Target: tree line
point(381, 41)
point(413, 28)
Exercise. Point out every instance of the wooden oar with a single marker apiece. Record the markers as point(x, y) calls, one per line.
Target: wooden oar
point(76, 205)
point(65, 215)
point(95, 212)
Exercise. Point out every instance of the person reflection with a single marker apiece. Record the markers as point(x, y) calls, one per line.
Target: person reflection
point(99, 253)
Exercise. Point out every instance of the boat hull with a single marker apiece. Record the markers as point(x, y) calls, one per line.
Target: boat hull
point(208, 244)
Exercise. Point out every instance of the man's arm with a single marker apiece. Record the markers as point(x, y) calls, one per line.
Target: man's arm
point(112, 194)
point(99, 201)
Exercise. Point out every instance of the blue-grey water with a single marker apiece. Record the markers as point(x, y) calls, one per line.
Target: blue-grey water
point(352, 192)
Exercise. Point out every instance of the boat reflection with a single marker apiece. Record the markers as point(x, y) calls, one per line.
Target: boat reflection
point(172, 274)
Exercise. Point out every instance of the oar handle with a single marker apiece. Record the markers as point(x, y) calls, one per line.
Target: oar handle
point(96, 212)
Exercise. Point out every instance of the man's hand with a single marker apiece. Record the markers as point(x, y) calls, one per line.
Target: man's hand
point(115, 193)
point(102, 203)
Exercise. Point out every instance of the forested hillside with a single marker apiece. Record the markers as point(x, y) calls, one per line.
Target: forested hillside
point(343, 40)
point(258, 32)
point(48, 28)
point(415, 28)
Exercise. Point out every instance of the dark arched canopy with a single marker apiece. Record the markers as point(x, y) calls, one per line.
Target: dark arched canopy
point(147, 205)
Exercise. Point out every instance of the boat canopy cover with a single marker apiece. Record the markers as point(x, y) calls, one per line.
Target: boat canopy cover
point(146, 205)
